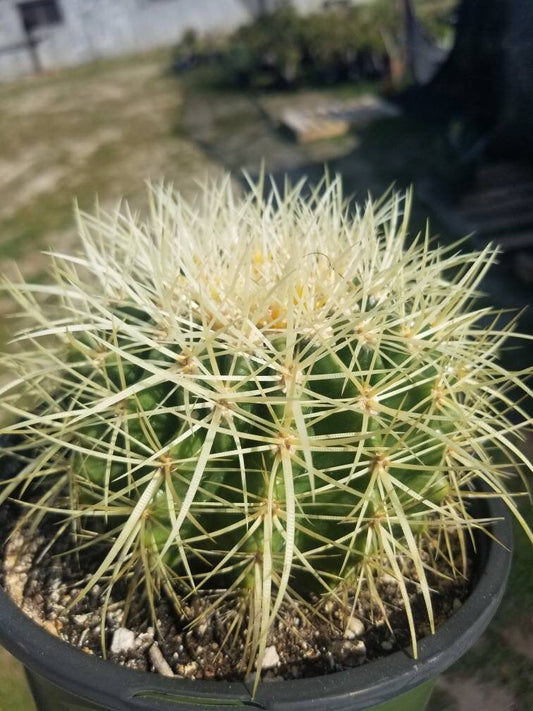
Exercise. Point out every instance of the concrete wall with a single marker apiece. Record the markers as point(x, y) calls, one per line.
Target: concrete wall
point(104, 28)
point(15, 60)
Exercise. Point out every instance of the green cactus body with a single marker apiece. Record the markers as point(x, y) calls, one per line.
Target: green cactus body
point(260, 407)
point(269, 396)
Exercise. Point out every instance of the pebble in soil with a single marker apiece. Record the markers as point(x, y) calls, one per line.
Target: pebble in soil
point(298, 645)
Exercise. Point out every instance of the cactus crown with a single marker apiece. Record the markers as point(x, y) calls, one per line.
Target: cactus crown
point(265, 395)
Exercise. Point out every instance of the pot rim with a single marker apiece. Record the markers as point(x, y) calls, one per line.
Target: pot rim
point(122, 689)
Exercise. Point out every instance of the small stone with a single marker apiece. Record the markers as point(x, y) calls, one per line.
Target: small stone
point(354, 628)
point(146, 638)
point(50, 627)
point(386, 645)
point(271, 658)
point(389, 579)
point(457, 604)
point(359, 648)
point(189, 670)
point(160, 663)
point(123, 641)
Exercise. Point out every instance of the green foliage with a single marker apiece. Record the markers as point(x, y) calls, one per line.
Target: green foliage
point(264, 395)
point(285, 49)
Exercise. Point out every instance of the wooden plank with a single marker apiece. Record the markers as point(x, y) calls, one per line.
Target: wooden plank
point(335, 118)
point(308, 128)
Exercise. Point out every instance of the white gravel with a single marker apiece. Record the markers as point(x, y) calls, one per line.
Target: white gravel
point(123, 641)
point(271, 658)
point(354, 628)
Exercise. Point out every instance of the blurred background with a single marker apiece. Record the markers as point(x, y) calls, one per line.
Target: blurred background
point(97, 96)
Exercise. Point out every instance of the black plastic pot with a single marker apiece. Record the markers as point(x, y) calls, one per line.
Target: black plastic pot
point(64, 678)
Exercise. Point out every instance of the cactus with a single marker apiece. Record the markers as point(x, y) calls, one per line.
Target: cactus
point(271, 396)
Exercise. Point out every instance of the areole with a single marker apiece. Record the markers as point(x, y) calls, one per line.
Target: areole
point(64, 678)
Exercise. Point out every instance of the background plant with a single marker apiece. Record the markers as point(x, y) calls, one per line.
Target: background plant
point(267, 395)
point(286, 49)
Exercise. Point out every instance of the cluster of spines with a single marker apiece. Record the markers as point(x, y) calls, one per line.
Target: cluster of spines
point(268, 395)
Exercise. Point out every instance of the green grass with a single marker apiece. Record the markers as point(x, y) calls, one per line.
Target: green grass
point(14, 692)
point(97, 131)
point(101, 129)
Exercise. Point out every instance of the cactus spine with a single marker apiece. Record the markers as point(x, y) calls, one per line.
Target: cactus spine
point(268, 396)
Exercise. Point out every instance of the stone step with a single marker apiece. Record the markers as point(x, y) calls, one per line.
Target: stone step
point(502, 197)
point(334, 118)
point(491, 175)
point(503, 222)
point(509, 242)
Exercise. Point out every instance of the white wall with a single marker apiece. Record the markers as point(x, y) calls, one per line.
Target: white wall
point(13, 63)
point(103, 28)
